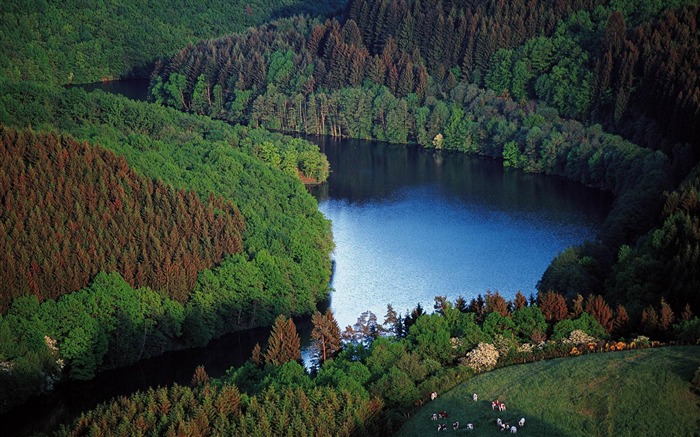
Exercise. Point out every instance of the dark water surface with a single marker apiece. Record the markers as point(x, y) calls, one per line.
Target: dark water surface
point(410, 224)
point(136, 89)
point(67, 401)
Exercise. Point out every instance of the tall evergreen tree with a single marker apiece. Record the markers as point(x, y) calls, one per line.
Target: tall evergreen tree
point(284, 344)
point(325, 336)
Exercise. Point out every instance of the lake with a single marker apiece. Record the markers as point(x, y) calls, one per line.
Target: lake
point(410, 224)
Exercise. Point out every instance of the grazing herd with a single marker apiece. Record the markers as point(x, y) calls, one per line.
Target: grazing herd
point(495, 405)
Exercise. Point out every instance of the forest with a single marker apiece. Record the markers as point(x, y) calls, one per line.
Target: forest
point(129, 228)
point(68, 42)
point(605, 94)
point(383, 372)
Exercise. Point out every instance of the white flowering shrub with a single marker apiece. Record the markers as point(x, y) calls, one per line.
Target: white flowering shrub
point(579, 337)
point(481, 358)
point(641, 341)
point(525, 347)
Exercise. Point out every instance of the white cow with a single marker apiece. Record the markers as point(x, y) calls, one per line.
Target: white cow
point(455, 426)
point(499, 422)
point(470, 426)
point(475, 397)
point(521, 422)
point(513, 429)
point(433, 396)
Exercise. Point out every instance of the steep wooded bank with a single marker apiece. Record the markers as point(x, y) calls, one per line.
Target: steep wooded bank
point(70, 210)
point(382, 373)
point(286, 237)
point(72, 42)
point(413, 71)
point(281, 265)
point(632, 67)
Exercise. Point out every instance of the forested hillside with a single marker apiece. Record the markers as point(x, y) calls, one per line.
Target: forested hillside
point(384, 372)
point(281, 265)
point(612, 63)
point(76, 42)
point(544, 86)
point(73, 210)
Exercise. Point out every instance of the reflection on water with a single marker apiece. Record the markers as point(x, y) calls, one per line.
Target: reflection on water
point(136, 89)
point(67, 401)
point(411, 224)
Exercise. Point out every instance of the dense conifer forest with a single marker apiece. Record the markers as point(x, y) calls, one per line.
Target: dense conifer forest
point(604, 93)
point(131, 228)
point(75, 197)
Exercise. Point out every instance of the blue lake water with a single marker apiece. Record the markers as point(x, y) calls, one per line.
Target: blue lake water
point(410, 224)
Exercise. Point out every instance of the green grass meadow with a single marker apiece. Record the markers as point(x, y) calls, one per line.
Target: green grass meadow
point(632, 393)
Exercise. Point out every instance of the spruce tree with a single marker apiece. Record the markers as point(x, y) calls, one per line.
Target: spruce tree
point(284, 344)
point(325, 336)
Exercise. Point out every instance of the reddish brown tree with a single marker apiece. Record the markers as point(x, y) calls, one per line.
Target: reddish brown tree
point(621, 324)
point(284, 344)
point(325, 336)
point(69, 210)
point(650, 321)
point(200, 377)
point(666, 316)
point(553, 306)
point(520, 301)
point(687, 314)
point(496, 302)
point(600, 310)
point(576, 306)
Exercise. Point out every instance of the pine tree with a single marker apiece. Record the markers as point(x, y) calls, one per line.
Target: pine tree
point(687, 314)
point(256, 355)
point(391, 318)
point(599, 309)
point(666, 316)
point(649, 324)
point(621, 324)
point(200, 377)
point(325, 336)
point(520, 301)
point(496, 303)
point(576, 306)
point(284, 344)
point(553, 306)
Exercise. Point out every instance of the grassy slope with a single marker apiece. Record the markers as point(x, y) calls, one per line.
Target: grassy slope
point(641, 392)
